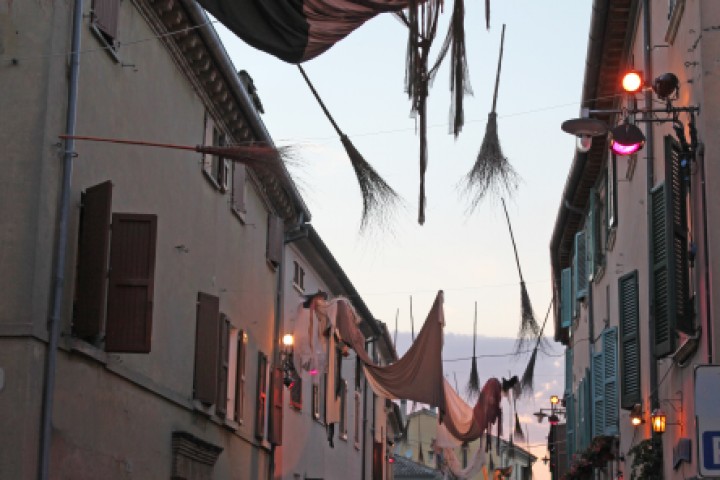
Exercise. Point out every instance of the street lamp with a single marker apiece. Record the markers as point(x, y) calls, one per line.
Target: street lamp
point(286, 360)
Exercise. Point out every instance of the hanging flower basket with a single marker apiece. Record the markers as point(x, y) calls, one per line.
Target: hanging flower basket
point(595, 456)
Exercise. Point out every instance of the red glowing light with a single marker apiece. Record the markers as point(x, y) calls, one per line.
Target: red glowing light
point(313, 372)
point(620, 149)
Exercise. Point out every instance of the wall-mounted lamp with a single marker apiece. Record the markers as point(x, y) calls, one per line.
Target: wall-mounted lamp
point(666, 85)
point(636, 415)
point(553, 419)
point(626, 138)
point(632, 81)
point(584, 129)
point(286, 360)
point(659, 419)
point(554, 399)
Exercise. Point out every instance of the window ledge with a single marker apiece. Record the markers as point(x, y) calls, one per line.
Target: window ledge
point(213, 181)
point(299, 289)
point(231, 425)
point(108, 47)
point(241, 215)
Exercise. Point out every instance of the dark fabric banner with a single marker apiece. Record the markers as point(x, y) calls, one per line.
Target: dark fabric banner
point(296, 30)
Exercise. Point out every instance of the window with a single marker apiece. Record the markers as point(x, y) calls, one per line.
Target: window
point(612, 216)
point(343, 410)
point(275, 240)
point(580, 274)
point(207, 349)
point(298, 277)
point(104, 22)
point(261, 398)
point(276, 410)
point(218, 169)
point(296, 394)
point(221, 400)
point(119, 290)
point(241, 343)
point(239, 180)
point(629, 340)
point(566, 300)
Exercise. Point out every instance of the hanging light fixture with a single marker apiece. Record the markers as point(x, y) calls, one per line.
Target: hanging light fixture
point(659, 420)
point(553, 419)
point(626, 138)
point(632, 81)
point(636, 415)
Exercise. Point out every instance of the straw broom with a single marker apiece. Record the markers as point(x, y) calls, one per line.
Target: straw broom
point(527, 379)
point(492, 171)
point(473, 386)
point(378, 198)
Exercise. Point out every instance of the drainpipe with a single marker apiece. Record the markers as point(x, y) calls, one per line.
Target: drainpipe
point(706, 254)
point(60, 249)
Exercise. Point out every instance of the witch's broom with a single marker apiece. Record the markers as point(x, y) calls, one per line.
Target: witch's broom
point(255, 155)
point(527, 379)
point(492, 171)
point(473, 386)
point(528, 326)
point(379, 199)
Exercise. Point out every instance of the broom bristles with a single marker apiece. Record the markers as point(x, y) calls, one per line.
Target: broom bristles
point(265, 157)
point(528, 376)
point(379, 199)
point(492, 172)
point(519, 435)
point(473, 385)
point(529, 328)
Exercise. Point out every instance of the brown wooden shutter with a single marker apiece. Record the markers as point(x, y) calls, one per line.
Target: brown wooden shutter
point(93, 248)
point(275, 239)
point(377, 473)
point(223, 366)
point(276, 413)
point(296, 394)
point(132, 273)
point(261, 399)
point(106, 13)
point(240, 375)
point(207, 333)
point(238, 187)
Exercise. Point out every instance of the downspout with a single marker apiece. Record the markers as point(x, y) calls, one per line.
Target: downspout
point(650, 150)
point(60, 249)
point(706, 254)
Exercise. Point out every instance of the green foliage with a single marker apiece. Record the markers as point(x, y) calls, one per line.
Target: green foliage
point(596, 455)
point(647, 460)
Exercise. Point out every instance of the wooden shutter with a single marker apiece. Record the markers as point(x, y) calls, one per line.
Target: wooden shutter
point(681, 313)
point(207, 334)
point(275, 239)
point(587, 420)
point(132, 276)
point(92, 272)
point(629, 340)
point(571, 425)
point(238, 187)
point(261, 399)
point(581, 415)
point(609, 338)
point(662, 299)
point(377, 473)
point(580, 261)
point(598, 393)
point(296, 396)
point(276, 413)
point(223, 366)
point(240, 375)
point(106, 13)
point(568, 370)
point(566, 300)
point(591, 230)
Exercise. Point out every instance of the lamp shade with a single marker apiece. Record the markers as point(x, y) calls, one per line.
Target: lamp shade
point(659, 420)
point(553, 419)
point(626, 139)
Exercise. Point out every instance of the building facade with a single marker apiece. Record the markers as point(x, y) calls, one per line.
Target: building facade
point(633, 249)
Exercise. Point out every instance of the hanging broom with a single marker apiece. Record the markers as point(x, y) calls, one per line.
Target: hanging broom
point(379, 199)
point(473, 387)
point(528, 326)
point(492, 172)
point(257, 155)
point(528, 376)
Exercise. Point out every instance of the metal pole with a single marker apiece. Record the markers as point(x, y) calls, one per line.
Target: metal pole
point(60, 249)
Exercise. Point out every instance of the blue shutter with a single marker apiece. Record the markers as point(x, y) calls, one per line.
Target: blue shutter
point(571, 426)
point(598, 394)
point(629, 340)
point(566, 299)
point(581, 416)
point(611, 401)
point(587, 426)
point(591, 239)
point(580, 261)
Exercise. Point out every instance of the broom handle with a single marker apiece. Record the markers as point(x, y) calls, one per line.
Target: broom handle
point(497, 77)
point(474, 329)
point(517, 259)
point(129, 142)
point(317, 97)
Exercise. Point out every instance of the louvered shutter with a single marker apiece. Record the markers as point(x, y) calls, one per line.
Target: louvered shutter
point(591, 235)
point(105, 16)
point(128, 327)
point(207, 334)
point(610, 396)
point(571, 426)
point(568, 370)
point(682, 316)
point(598, 393)
point(566, 299)
point(275, 238)
point(92, 272)
point(238, 189)
point(587, 422)
point(630, 340)
point(662, 299)
point(581, 415)
point(261, 398)
point(275, 433)
point(223, 366)
point(240, 375)
point(580, 260)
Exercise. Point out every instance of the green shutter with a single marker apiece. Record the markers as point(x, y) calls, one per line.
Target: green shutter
point(610, 396)
point(662, 300)
point(580, 262)
point(591, 238)
point(598, 393)
point(568, 371)
point(629, 340)
point(581, 416)
point(587, 426)
point(676, 194)
point(566, 300)
point(571, 427)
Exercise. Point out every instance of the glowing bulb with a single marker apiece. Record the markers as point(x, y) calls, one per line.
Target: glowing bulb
point(632, 81)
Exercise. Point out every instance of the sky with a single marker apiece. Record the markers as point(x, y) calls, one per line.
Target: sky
point(468, 255)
